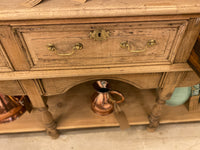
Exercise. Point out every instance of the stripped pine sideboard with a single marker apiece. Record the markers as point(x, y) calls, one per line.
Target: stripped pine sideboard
point(50, 48)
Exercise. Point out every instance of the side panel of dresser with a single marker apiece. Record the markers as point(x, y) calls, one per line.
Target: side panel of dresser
point(19, 61)
point(7, 87)
point(189, 39)
point(172, 80)
point(14, 51)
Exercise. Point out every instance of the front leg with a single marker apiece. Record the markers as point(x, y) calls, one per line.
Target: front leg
point(170, 81)
point(49, 123)
point(33, 92)
point(154, 118)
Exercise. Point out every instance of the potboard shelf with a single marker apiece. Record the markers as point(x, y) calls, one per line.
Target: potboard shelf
point(72, 110)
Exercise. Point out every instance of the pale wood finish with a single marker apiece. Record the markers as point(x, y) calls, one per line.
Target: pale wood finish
point(13, 49)
point(11, 10)
point(169, 83)
point(31, 3)
point(189, 79)
point(101, 53)
point(49, 123)
point(4, 62)
point(11, 88)
point(61, 85)
point(188, 41)
point(193, 104)
point(155, 115)
point(141, 81)
point(32, 90)
point(72, 110)
point(81, 1)
point(24, 58)
point(20, 75)
point(99, 20)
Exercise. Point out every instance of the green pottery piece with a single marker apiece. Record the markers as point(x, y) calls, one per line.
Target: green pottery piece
point(179, 96)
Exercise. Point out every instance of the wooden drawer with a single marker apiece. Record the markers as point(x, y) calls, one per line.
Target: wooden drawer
point(107, 49)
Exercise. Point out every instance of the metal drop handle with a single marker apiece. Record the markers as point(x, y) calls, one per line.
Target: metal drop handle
point(129, 46)
point(77, 46)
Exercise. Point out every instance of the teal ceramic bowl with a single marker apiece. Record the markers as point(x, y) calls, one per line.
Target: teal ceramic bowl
point(179, 96)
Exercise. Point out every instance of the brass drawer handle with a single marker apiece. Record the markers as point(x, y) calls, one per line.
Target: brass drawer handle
point(77, 46)
point(129, 45)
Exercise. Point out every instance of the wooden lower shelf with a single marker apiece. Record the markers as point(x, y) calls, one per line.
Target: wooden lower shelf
point(72, 110)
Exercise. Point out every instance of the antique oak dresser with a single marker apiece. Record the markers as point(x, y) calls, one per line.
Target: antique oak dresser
point(62, 44)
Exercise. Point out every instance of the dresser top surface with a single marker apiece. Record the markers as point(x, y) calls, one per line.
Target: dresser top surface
point(49, 9)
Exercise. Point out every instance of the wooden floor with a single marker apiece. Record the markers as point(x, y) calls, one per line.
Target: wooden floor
point(72, 110)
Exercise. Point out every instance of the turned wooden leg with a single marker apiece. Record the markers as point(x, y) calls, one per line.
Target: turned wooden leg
point(34, 94)
point(169, 82)
point(49, 123)
point(154, 118)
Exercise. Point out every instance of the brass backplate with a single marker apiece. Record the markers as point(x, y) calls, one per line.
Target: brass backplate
point(99, 35)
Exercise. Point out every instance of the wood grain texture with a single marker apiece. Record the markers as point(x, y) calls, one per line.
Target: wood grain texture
point(190, 79)
point(13, 49)
point(21, 75)
point(188, 41)
point(25, 33)
point(61, 85)
point(33, 91)
point(193, 104)
point(169, 83)
point(4, 61)
point(167, 35)
point(96, 8)
point(12, 88)
point(137, 106)
point(98, 20)
point(49, 123)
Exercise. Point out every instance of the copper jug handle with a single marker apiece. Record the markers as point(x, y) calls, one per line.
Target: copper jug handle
point(119, 94)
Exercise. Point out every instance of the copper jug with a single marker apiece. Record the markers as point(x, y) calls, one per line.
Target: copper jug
point(102, 102)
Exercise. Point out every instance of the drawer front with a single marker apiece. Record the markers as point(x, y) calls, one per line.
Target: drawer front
point(4, 63)
point(108, 44)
